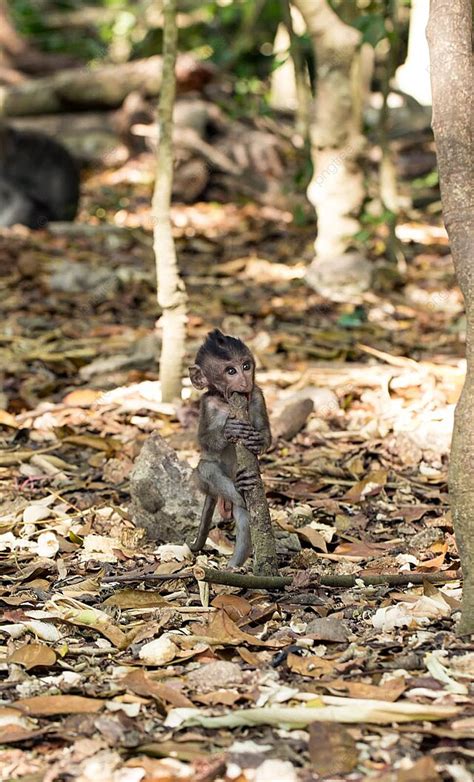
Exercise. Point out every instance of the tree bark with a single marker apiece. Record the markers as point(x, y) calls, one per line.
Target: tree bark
point(336, 189)
point(452, 84)
point(105, 87)
point(265, 560)
point(171, 291)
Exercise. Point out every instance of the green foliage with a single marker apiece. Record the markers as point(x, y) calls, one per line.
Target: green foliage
point(428, 180)
point(372, 27)
point(28, 18)
point(354, 319)
point(370, 223)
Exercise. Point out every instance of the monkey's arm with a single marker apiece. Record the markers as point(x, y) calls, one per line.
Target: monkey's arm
point(255, 434)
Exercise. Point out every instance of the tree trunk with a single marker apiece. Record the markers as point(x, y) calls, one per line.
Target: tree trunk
point(106, 86)
point(265, 560)
point(336, 189)
point(413, 77)
point(171, 292)
point(452, 83)
point(290, 84)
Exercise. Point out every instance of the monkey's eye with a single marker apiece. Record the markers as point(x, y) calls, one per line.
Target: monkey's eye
point(231, 371)
point(246, 366)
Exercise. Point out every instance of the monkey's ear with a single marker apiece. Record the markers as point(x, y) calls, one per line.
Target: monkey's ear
point(198, 378)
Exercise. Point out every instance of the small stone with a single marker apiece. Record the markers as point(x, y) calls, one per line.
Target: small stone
point(220, 674)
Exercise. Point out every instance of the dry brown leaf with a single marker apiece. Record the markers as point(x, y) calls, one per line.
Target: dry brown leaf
point(436, 562)
point(7, 419)
point(136, 598)
point(222, 628)
point(170, 766)
point(370, 485)
point(82, 397)
point(314, 537)
point(43, 705)
point(235, 606)
point(33, 655)
point(332, 749)
point(11, 734)
point(410, 512)
point(219, 698)
point(256, 659)
point(389, 691)
point(107, 444)
point(313, 665)
point(360, 548)
point(431, 590)
point(423, 770)
point(141, 684)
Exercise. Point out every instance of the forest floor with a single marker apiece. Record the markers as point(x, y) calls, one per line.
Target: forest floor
point(107, 675)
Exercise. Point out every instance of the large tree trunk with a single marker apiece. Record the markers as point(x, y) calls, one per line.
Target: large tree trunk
point(336, 189)
point(452, 85)
point(171, 292)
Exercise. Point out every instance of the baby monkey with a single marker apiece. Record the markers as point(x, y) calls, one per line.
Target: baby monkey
point(225, 365)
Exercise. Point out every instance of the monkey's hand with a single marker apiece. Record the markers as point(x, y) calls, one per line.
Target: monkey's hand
point(236, 431)
point(245, 480)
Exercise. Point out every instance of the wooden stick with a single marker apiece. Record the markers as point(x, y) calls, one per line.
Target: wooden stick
point(265, 560)
point(271, 583)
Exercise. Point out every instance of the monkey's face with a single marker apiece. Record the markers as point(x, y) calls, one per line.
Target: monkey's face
point(234, 375)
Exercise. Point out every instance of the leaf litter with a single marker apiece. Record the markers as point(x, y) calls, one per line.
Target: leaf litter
point(115, 662)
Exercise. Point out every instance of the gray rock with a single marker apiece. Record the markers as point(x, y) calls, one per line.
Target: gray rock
point(215, 675)
point(73, 277)
point(164, 499)
point(341, 278)
point(286, 542)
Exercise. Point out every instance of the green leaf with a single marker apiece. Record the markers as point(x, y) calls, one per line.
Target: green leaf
point(372, 27)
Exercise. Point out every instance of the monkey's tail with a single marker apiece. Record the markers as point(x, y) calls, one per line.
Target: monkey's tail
point(205, 524)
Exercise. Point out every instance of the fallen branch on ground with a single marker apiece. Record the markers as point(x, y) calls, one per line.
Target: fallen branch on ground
point(243, 580)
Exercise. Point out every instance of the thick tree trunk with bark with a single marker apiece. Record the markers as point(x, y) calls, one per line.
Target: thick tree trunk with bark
point(452, 84)
point(265, 560)
point(336, 189)
point(171, 292)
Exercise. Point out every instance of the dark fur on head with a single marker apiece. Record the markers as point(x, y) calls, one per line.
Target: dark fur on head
point(219, 345)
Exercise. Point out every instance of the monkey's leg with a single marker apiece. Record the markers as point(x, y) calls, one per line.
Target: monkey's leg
point(243, 542)
point(220, 485)
point(205, 524)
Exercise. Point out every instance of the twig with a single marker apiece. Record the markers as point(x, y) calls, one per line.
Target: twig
point(144, 575)
point(245, 581)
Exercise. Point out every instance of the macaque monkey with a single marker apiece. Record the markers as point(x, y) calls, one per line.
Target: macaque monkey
point(39, 180)
point(225, 365)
